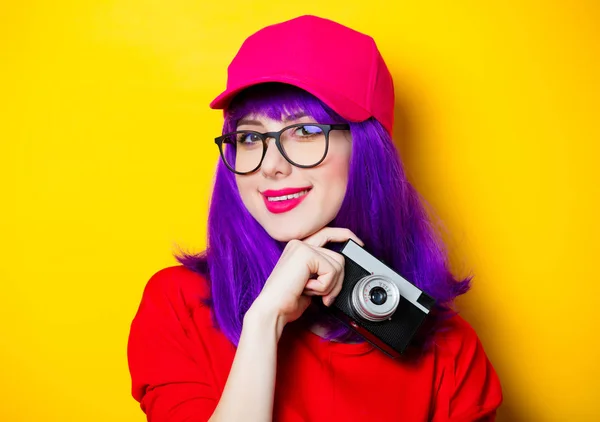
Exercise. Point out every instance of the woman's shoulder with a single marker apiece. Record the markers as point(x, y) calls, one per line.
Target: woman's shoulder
point(178, 284)
point(456, 338)
point(469, 384)
point(453, 327)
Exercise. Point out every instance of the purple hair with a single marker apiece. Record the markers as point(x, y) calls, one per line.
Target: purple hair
point(380, 206)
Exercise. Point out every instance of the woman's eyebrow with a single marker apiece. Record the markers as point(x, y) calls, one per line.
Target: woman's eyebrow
point(249, 122)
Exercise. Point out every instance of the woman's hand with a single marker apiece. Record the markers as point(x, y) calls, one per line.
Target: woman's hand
point(304, 269)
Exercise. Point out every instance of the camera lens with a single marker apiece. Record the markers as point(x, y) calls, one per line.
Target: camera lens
point(375, 298)
point(378, 295)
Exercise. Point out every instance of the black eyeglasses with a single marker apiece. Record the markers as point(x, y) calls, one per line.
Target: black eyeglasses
point(303, 145)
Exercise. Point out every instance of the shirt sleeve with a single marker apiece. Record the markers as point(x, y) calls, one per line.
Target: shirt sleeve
point(170, 375)
point(469, 389)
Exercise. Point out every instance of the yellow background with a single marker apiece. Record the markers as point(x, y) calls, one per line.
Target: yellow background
point(106, 163)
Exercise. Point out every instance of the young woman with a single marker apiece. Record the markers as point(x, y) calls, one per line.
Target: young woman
point(234, 334)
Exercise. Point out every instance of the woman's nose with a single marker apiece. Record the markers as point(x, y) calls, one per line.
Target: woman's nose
point(274, 162)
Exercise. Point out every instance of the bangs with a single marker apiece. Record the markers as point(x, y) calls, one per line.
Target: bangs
point(276, 101)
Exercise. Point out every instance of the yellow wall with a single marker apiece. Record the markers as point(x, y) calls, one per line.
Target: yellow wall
point(106, 157)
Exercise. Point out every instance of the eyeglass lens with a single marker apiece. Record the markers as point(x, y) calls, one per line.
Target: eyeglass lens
point(304, 145)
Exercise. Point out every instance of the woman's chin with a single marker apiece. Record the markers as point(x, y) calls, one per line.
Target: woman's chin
point(285, 237)
point(285, 234)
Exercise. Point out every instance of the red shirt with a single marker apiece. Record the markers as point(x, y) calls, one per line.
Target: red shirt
point(179, 364)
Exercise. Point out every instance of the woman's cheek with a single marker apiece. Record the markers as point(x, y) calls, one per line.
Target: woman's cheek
point(248, 190)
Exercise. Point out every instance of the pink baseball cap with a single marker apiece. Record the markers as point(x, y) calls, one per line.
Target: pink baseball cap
point(340, 66)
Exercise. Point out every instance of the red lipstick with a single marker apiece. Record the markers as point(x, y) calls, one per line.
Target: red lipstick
point(276, 202)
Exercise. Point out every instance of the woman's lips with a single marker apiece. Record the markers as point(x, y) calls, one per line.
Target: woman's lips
point(284, 200)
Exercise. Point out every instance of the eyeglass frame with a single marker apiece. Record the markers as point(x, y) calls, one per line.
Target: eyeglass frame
point(327, 128)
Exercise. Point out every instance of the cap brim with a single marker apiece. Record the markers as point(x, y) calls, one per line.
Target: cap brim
point(339, 103)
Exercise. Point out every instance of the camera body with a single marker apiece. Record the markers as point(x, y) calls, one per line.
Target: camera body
point(378, 303)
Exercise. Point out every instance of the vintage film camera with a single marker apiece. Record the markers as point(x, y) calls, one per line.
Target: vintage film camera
point(377, 303)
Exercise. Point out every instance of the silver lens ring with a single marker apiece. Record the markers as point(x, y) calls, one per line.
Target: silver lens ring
point(361, 298)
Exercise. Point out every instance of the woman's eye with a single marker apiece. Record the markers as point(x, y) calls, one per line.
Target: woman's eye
point(309, 130)
point(248, 138)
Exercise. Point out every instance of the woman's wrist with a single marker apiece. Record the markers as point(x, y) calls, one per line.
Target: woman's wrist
point(264, 319)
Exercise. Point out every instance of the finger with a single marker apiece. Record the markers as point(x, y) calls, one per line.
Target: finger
point(336, 287)
point(315, 265)
point(337, 262)
point(308, 292)
point(331, 234)
point(330, 298)
point(319, 287)
point(324, 271)
point(337, 257)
